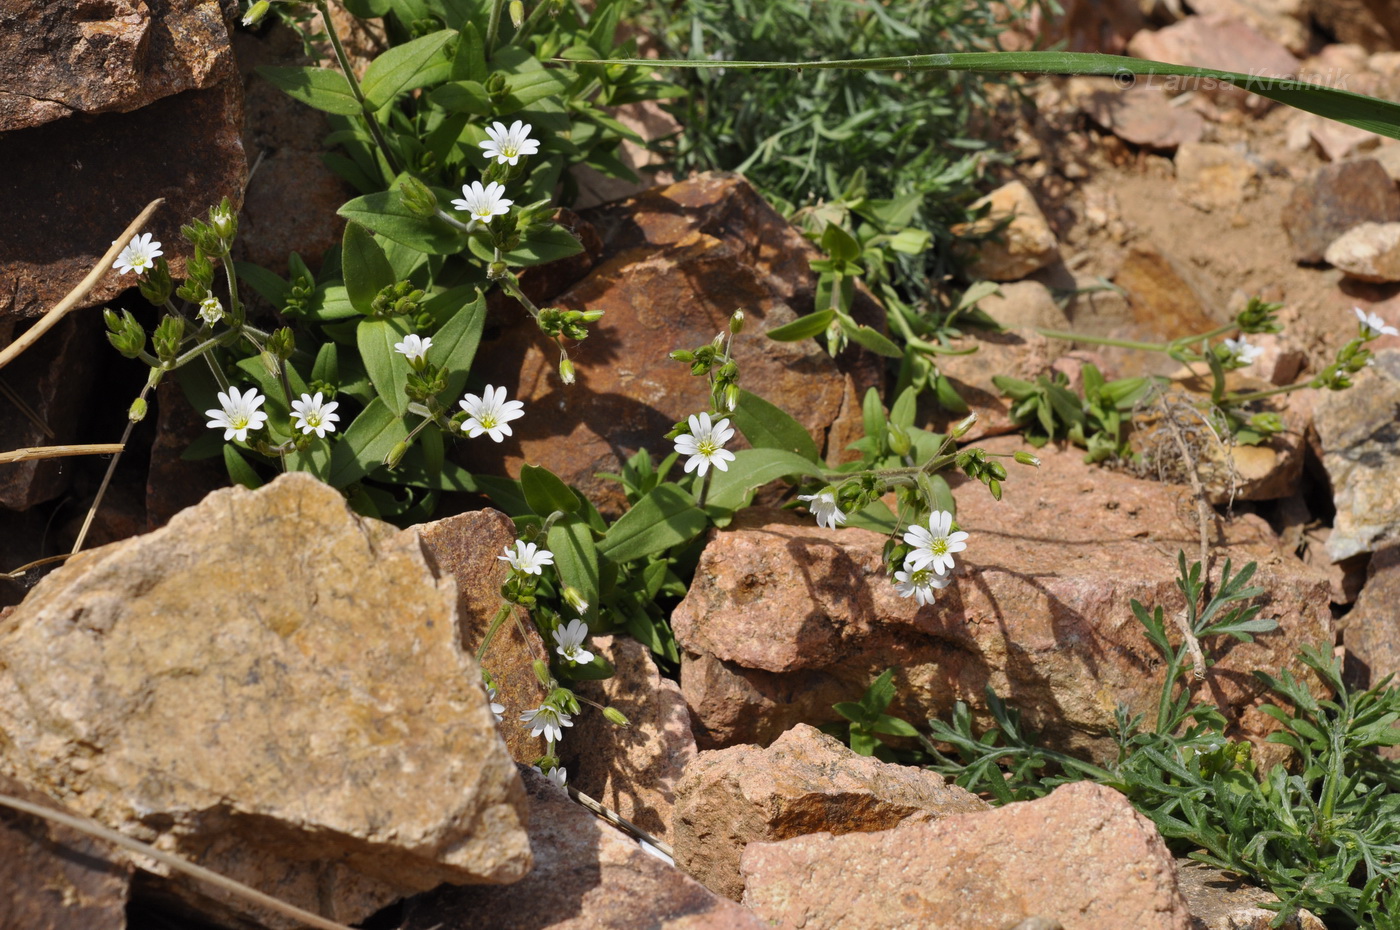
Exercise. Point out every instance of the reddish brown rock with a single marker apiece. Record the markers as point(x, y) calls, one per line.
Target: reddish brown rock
point(678, 261)
point(51, 378)
point(586, 875)
point(1372, 24)
point(1024, 355)
point(466, 547)
point(66, 58)
point(1219, 43)
point(1166, 302)
point(1140, 115)
point(1081, 857)
point(1371, 631)
point(1019, 240)
point(1336, 199)
point(1219, 900)
point(784, 618)
point(806, 782)
point(1283, 21)
point(55, 877)
point(73, 185)
point(634, 769)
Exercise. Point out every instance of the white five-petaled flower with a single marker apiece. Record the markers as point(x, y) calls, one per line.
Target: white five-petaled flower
point(558, 775)
point(920, 583)
point(483, 203)
point(548, 720)
point(1242, 351)
point(211, 310)
point(934, 546)
point(497, 709)
point(139, 255)
point(507, 145)
point(314, 414)
point(824, 507)
point(490, 413)
point(705, 444)
point(528, 558)
point(414, 347)
point(240, 413)
point(1372, 325)
point(570, 642)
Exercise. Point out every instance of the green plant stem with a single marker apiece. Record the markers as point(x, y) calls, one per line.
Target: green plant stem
point(235, 307)
point(502, 614)
point(196, 352)
point(532, 20)
point(1173, 346)
point(493, 25)
point(371, 121)
point(1260, 395)
point(451, 220)
point(511, 287)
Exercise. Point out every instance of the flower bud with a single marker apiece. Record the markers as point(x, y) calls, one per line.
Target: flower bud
point(224, 222)
point(396, 454)
point(731, 397)
point(137, 413)
point(592, 316)
point(517, 13)
point(566, 370)
point(256, 12)
point(156, 284)
point(166, 338)
point(574, 598)
point(417, 198)
point(496, 271)
point(1025, 458)
point(616, 716)
point(898, 439)
point(736, 322)
point(680, 355)
point(964, 425)
point(995, 487)
point(541, 669)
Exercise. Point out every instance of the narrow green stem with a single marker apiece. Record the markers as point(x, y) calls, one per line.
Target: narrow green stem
point(1260, 395)
point(235, 307)
point(1102, 340)
point(493, 25)
point(704, 488)
point(532, 20)
point(349, 72)
point(502, 614)
point(217, 372)
point(511, 287)
point(195, 353)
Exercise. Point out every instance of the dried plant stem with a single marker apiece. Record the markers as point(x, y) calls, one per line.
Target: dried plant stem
point(622, 823)
point(205, 875)
point(107, 478)
point(53, 452)
point(1193, 645)
point(51, 319)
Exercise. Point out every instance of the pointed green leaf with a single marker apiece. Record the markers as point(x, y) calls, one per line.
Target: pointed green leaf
point(323, 88)
point(456, 341)
point(238, 468)
point(406, 67)
point(871, 339)
point(366, 442)
point(366, 268)
point(752, 469)
point(665, 517)
point(767, 426)
point(575, 556)
point(388, 370)
point(385, 214)
point(813, 324)
point(545, 492)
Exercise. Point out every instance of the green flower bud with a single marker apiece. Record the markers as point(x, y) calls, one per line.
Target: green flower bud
point(736, 322)
point(996, 470)
point(282, 343)
point(517, 13)
point(1025, 458)
point(396, 454)
point(731, 397)
point(592, 316)
point(223, 220)
point(256, 12)
point(574, 598)
point(417, 198)
point(964, 425)
point(566, 370)
point(616, 716)
point(681, 355)
point(541, 669)
point(156, 284)
point(166, 338)
point(995, 487)
point(137, 413)
point(898, 439)
point(497, 271)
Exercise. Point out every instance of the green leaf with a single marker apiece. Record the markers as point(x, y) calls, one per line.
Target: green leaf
point(456, 341)
point(405, 67)
point(813, 324)
point(871, 339)
point(596, 670)
point(367, 9)
point(270, 287)
point(545, 492)
point(463, 97)
point(665, 517)
point(752, 469)
point(366, 442)
point(322, 88)
point(385, 214)
point(575, 556)
point(905, 406)
point(327, 365)
point(948, 397)
point(876, 517)
point(238, 468)
point(530, 86)
point(365, 266)
point(839, 244)
point(388, 370)
point(873, 414)
point(767, 426)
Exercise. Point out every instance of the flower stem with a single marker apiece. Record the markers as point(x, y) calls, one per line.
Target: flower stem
point(349, 72)
point(493, 25)
point(511, 287)
point(502, 614)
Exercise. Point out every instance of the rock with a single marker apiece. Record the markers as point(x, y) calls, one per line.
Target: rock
point(587, 875)
point(806, 782)
point(1282, 21)
point(1140, 115)
point(273, 688)
point(55, 877)
point(1371, 631)
point(1025, 305)
point(172, 481)
point(1358, 431)
point(649, 121)
point(1214, 177)
point(1209, 42)
point(73, 185)
point(784, 619)
point(1025, 355)
point(632, 770)
point(1336, 141)
point(466, 547)
point(1219, 900)
point(1167, 303)
point(1280, 360)
point(679, 261)
point(1335, 199)
point(1369, 252)
point(1388, 154)
point(1083, 25)
point(1081, 856)
point(62, 58)
point(52, 378)
point(1017, 248)
point(1372, 24)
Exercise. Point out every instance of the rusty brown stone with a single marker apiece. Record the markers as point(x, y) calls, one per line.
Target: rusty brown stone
point(100, 57)
point(806, 782)
point(1081, 857)
point(587, 875)
point(1371, 631)
point(1219, 900)
point(1166, 304)
point(784, 618)
point(1334, 200)
point(1140, 115)
point(1214, 42)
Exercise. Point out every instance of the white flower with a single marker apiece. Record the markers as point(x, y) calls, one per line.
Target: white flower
point(558, 775)
point(240, 413)
point(1372, 325)
point(705, 444)
point(823, 506)
point(507, 145)
point(483, 202)
point(414, 347)
point(139, 255)
point(312, 413)
point(548, 720)
point(934, 547)
point(570, 639)
point(490, 413)
point(211, 310)
point(497, 709)
point(920, 583)
point(527, 558)
point(1242, 352)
